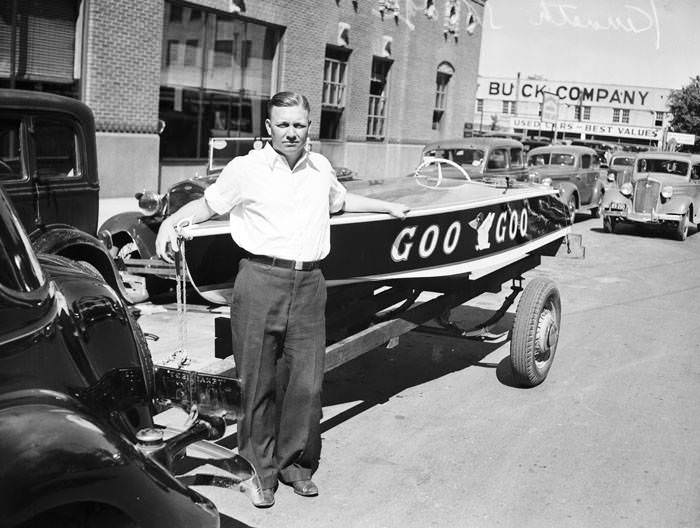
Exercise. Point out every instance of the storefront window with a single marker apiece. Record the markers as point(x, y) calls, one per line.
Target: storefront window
point(217, 74)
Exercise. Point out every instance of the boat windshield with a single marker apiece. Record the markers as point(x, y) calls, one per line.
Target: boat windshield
point(665, 166)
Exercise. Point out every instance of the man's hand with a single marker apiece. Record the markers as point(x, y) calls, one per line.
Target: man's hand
point(166, 240)
point(398, 210)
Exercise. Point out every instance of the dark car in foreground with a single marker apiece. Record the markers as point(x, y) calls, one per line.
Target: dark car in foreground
point(78, 392)
point(48, 169)
point(664, 191)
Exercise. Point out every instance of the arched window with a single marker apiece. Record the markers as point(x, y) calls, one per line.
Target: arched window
point(445, 71)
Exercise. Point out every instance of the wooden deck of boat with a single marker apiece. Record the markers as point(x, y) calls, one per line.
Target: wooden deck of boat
point(422, 200)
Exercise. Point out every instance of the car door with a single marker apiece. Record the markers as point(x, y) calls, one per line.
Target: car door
point(586, 176)
point(695, 190)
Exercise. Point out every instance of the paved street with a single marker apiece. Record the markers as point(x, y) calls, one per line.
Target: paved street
point(432, 432)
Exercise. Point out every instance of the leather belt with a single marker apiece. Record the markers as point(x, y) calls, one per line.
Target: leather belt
point(299, 265)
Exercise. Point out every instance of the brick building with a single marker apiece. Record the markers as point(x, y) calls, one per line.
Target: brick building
point(384, 77)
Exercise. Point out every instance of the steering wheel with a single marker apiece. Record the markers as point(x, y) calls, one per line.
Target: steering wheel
point(429, 160)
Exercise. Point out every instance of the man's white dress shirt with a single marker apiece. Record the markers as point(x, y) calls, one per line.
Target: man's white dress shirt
point(278, 211)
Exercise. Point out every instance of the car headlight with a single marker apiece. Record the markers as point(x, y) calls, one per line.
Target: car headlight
point(667, 192)
point(150, 203)
point(611, 176)
point(626, 189)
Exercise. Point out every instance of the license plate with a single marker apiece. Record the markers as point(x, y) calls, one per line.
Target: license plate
point(209, 392)
point(617, 206)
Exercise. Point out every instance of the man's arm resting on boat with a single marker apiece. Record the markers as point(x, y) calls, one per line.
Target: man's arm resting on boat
point(355, 203)
point(195, 211)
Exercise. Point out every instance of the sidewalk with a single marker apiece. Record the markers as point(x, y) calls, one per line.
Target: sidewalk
point(111, 206)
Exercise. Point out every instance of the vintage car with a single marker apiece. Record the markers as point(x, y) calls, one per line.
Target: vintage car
point(664, 191)
point(483, 158)
point(620, 168)
point(48, 169)
point(574, 171)
point(78, 393)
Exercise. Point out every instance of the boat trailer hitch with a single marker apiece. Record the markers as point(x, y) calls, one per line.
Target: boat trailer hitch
point(481, 332)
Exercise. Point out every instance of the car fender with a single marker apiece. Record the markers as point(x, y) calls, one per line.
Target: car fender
point(139, 229)
point(566, 189)
point(67, 241)
point(679, 205)
point(56, 454)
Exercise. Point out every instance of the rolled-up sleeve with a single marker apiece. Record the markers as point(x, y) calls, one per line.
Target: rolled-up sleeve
point(336, 196)
point(225, 193)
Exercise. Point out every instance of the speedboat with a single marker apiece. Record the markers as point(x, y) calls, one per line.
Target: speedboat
point(455, 229)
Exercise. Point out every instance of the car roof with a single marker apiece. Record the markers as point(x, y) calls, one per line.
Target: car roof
point(563, 149)
point(32, 100)
point(480, 142)
point(684, 156)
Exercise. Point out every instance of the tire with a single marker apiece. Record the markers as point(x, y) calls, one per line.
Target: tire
point(535, 332)
point(571, 204)
point(609, 224)
point(682, 228)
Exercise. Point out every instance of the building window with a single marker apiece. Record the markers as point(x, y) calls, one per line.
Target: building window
point(626, 116)
point(577, 113)
point(659, 120)
point(176, 13)
point(333, 95)
point(444, 74)
point(616, 115)
point(586, 113)
point(480, 105)
point(46, 36)
point(192, 52)
point(378, 90)
point(509, 107)
point(219, 83)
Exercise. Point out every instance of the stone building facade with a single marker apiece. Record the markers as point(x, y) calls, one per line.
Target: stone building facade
point(162, 77)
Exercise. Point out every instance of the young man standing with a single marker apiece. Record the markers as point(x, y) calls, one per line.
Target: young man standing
point(279, 199)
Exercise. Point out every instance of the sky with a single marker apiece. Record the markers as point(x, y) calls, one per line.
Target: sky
point(622, 42)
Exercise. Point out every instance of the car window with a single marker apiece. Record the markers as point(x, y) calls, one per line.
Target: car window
point(562, 159)
point(538, 160)
point(10, 153)
point(497, 159)
point(622, 161)
point(516, 158)
point(436, 153)
point(585, 161)
point(668, 166)
point(19, 268)
point(468, 156)
point(57, 147)
point(695, 172)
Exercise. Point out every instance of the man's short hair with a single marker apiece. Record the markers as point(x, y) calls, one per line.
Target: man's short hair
point(288, 99)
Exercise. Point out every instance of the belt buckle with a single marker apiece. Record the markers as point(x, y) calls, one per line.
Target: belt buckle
point(298, 265)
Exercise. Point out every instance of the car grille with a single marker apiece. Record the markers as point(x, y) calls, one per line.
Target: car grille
point(181, 195)
point(646, 195)
point(623, 176)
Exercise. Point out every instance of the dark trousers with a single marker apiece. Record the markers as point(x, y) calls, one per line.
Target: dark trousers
point(279, 339)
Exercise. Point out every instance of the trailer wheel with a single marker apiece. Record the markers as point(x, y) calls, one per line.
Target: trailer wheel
point(535, 332)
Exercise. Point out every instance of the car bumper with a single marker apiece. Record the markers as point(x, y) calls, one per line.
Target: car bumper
point(621, 213)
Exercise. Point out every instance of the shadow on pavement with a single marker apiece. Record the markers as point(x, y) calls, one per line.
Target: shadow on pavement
point(376, 376)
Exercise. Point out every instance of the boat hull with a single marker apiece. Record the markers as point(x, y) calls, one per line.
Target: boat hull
point(455, 236)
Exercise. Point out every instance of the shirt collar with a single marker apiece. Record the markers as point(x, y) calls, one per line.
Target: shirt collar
point(272, 157)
